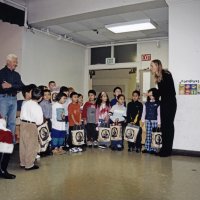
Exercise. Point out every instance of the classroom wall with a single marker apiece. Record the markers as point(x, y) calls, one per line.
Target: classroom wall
point(42, 58)
point(184, 52)
point(158, 50)
point(45, 58)
point(10, 42)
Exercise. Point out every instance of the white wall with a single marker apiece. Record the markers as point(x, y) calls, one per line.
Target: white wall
point(157, 50)
point(10, 42)
point(45, 58)
point(184, 53)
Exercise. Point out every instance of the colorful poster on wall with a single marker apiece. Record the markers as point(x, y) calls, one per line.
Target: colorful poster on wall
point(189, 87)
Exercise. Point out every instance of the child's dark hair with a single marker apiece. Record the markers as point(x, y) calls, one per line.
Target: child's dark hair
point(117, 88)
point(60, 95)
point(155, 94)
point(92, 92)
point(27, 89)
point(46, 90)
point(36, 93)
point(136, 92)
point(80, 95)
point(120, 95)
point(51, 82)
point(32, 85)
point(64, 89)
point(42, 87)
point(99, 100)
point(73, 93)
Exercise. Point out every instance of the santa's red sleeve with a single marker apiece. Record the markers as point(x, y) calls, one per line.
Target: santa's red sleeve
point(6, 141)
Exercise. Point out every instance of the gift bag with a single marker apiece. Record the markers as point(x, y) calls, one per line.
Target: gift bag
point(116, 132)
point(104, 134)
point(78, 136)
point(43, 136)
point(156, 141)
point(131, 133)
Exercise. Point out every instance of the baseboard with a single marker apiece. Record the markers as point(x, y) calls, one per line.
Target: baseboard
point(186, 153)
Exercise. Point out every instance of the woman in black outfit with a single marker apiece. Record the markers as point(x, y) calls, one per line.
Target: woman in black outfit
point(168, 106)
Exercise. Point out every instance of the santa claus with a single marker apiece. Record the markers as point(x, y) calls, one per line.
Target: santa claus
point(6, 148)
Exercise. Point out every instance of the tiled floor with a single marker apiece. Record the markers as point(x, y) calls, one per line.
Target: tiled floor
point(105, 175)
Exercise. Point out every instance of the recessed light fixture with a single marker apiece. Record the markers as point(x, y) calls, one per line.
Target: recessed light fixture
point(144, 24)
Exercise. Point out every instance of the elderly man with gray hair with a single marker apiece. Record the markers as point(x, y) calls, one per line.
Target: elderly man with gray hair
point(10, 84)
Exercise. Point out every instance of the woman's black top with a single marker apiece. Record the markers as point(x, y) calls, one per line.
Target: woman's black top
point(166, 87)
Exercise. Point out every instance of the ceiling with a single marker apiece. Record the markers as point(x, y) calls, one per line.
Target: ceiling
point(92, 31)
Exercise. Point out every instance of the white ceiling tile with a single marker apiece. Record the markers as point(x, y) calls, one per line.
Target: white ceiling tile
point(131, 16)
point(111, 19)
point(93, 36)
point(92, 24)
point(75, 26)
point(59, 30)
point(158, 14)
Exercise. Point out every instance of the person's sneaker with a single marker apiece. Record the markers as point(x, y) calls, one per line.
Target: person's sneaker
point(89, 144)
point(144, 151)
point(37, 157)
point(152, 152)
point(73, 150)
point(119, 147)
point(55, 151)
point(138, 150)
point(129, 149)
point(32, 168)
point(79, 149)
point(102, 146)
point(61, 151)
point(113, 148)
point(95, 144)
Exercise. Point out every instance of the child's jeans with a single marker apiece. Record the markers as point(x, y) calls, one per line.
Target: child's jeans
point(58, 138)
point(92, 134)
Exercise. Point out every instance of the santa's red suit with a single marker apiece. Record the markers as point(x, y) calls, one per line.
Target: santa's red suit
point(6, 148)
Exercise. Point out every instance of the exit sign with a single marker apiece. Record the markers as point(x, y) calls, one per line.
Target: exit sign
point(146, 57)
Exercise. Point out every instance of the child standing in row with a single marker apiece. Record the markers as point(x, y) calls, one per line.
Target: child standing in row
point(151, 118)
point(117, 91)
point(118, 116)
point(74, 116)
point(134, 114)
point(65, 90)
point(31, 116)
point(89, 117)
point(47, 107)
point(102, 114)
point(47, 113)
point(58, 124)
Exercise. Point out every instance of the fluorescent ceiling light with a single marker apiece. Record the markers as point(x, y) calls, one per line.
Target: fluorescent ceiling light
point(138, 25)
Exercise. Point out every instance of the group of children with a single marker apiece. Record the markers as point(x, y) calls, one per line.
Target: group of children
point(66, 112)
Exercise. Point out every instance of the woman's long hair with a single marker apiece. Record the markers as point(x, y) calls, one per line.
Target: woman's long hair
point(158, 75)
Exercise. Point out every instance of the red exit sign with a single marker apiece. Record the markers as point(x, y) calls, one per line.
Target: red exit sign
point(146, 57)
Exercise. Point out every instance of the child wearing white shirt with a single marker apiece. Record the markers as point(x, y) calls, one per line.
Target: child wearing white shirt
point(31, 116)
point(118, 117)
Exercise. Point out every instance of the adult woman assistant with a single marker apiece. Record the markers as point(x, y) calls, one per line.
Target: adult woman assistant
point(168, 105)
